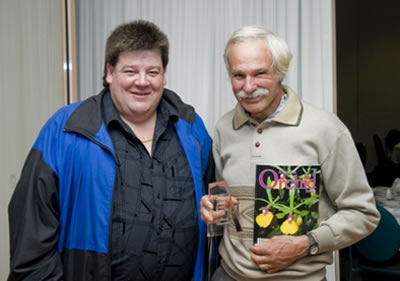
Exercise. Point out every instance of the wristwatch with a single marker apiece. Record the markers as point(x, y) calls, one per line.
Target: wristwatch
point(313, 250)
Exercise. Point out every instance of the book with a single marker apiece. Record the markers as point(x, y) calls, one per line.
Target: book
point(286, 200)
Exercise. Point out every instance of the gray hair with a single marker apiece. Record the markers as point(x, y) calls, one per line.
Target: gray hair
point(281, 55)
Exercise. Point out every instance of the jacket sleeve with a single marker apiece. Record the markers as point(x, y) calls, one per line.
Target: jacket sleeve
point(34, 220)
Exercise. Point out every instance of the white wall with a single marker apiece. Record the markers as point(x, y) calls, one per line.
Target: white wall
point(198, 31)
point(31, 79)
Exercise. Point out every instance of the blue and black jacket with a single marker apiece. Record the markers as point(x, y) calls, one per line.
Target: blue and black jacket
point(60, 212)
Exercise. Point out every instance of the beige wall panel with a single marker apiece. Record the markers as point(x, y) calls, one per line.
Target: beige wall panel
point(31, 79)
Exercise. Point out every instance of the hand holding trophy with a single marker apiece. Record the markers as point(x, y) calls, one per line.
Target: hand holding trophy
point(219, 209)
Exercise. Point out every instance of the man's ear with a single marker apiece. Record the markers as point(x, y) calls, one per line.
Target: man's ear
point(110, 70)
point(165, 78)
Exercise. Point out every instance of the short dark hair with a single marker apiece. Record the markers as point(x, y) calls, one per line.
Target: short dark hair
point(136, 35)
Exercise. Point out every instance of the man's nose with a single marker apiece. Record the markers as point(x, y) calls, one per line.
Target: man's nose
point(249, 85)
point(141, 79)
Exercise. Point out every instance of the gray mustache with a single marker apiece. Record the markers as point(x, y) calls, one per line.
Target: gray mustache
point(257, 93)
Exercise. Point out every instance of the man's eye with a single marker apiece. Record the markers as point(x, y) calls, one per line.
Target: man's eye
point(238, 76)
point(153, 73)
point(129, 72)
point(262, 74)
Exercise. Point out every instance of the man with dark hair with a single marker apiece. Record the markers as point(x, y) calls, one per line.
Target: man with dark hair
point(111, 187)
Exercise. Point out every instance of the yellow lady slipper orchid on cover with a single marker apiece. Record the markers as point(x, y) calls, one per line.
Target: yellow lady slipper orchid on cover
point(265, 218)
point(291, 225)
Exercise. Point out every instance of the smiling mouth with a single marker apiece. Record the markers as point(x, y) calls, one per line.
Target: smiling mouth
point(140, 94)
point(251, 99)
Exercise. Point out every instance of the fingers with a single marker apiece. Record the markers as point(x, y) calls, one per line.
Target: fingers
point(234, 201)
point(258, 257)
point(208, 214)
point(262, 262)
point(206, 203)
point(205, 207)
point(265, 267)
point(259, 249)
point(278, 252)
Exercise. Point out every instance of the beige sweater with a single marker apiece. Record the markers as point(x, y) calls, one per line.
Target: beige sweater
point(299, 135)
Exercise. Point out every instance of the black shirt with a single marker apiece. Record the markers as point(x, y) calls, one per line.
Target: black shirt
point(154, 219)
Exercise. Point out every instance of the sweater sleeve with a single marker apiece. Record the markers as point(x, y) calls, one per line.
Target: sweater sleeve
point(348, 190)
point(34, 220)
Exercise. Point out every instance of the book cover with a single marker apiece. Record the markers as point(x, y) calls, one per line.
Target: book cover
point(286, 200)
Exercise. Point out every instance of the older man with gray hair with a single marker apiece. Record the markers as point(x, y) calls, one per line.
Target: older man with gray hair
point(271, 126)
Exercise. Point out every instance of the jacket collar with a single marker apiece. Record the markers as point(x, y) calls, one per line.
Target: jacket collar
point(87, 118)
point(290, 114)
